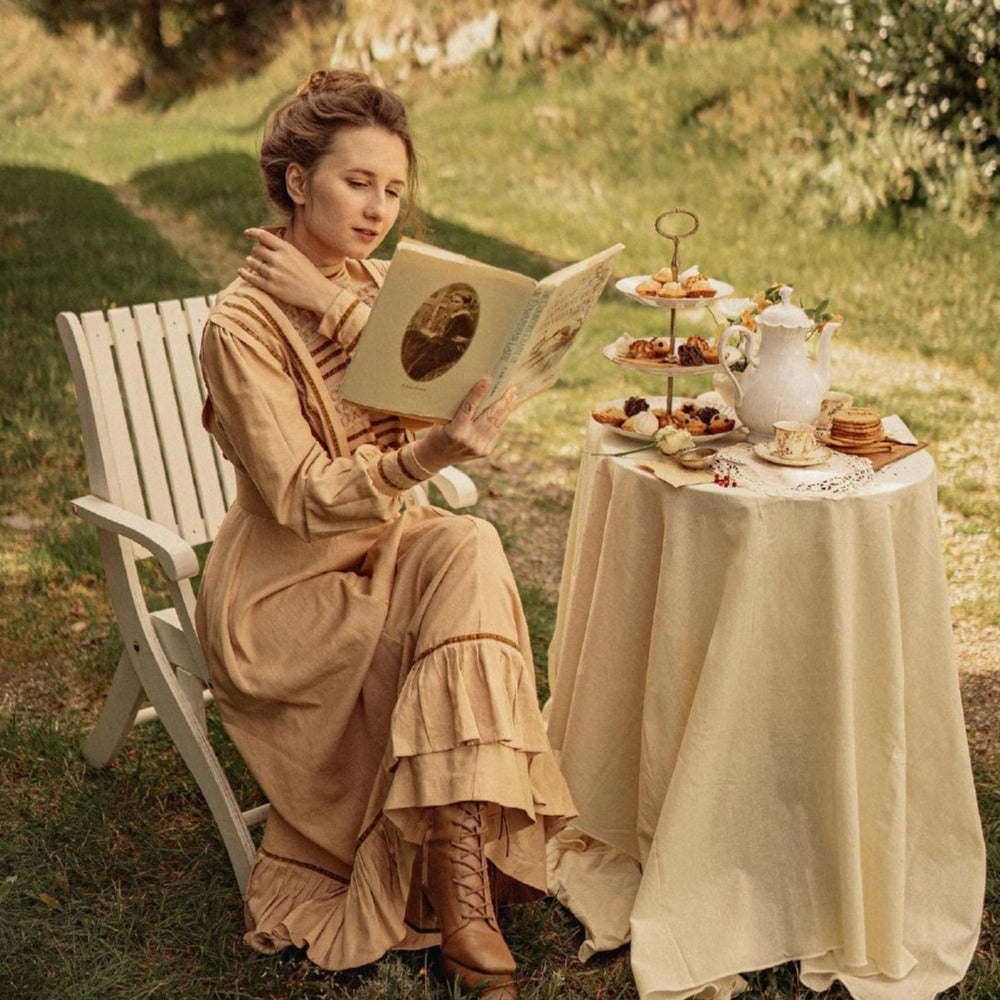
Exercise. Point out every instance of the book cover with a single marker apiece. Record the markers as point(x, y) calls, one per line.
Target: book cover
point(442, 320)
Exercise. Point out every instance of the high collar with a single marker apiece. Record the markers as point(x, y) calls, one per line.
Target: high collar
point(332, 271)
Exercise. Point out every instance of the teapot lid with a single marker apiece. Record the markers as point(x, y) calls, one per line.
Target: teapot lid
point(783, 313)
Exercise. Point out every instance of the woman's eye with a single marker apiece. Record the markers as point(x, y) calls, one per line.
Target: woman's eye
point(392, 193)
point(354, 182)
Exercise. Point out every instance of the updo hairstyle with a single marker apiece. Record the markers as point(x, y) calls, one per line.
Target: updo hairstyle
point(302, 129)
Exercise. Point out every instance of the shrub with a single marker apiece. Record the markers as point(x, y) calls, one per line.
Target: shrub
point(918, 83)
point(879, 163)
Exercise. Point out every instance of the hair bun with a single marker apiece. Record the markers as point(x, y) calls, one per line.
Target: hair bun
point(332, 79)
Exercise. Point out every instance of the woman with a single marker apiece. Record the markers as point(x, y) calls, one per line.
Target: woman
point(370, 659)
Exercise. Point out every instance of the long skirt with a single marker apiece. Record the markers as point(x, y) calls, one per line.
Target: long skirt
point(366, 679)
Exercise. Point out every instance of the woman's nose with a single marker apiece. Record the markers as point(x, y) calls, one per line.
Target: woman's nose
point(375, 207)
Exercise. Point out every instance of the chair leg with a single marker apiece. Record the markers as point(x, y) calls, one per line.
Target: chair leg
point(182, 713)
point(194, 692)
point(184, 726)
point(117, 716)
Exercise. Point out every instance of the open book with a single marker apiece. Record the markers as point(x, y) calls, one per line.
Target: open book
point(441, 321)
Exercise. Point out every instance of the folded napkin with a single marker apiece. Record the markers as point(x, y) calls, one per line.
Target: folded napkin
point(895, 430)
point(669, 471)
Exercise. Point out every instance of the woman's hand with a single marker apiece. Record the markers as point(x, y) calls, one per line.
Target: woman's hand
point(467, 436)
point(281, 270)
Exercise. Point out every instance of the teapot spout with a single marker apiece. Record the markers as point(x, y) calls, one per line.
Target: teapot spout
point(823, 354)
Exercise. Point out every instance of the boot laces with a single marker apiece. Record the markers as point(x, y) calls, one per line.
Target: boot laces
point(468, 844)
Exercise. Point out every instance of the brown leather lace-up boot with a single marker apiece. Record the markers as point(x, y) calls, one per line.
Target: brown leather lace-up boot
point(458, 887)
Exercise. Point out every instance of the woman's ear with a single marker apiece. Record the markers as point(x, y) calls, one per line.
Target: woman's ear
point(295, 183)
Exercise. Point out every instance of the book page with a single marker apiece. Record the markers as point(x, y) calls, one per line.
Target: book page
point(554, 317)
point(438, 324)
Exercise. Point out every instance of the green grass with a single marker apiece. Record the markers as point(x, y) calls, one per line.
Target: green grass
point(117, 889)
point(113, 886)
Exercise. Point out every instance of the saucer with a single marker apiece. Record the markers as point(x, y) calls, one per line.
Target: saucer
point(696, 458)
point(766, 451)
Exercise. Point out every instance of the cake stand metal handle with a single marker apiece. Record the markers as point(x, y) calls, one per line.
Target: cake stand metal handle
point(676, 238)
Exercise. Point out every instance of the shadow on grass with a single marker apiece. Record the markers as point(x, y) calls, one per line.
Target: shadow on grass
point(66, 243)
point(223, 189)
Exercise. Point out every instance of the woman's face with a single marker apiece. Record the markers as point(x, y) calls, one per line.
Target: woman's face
point(348, 202)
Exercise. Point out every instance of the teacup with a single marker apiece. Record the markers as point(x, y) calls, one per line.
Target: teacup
point(832, 402)
point(794, 439)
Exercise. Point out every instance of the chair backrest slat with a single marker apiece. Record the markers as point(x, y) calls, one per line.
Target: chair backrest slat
point(145, 438)
point(164, 389)
point(140, 389)
point(114, 461)
point(180, 338)
point(197, 312)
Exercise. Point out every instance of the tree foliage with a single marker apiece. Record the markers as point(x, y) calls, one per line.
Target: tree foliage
point(919, 82)
point(181, 44)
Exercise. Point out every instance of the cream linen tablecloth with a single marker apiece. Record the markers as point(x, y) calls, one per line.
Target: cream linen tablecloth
point(755, 702)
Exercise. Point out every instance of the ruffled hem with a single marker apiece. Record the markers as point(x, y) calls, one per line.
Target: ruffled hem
point(466, 727)
point(470, 690)
point(342, 924)
point(528, 783)
point(346, 923)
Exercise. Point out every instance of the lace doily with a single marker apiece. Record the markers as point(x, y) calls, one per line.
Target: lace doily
point(841, 475)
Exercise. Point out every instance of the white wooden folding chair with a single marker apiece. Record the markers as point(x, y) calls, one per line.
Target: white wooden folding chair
point(158, 487)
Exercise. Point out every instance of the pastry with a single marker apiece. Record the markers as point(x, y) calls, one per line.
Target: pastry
point(856, 426)
point(613, 415)
point(665, 284)
point(697, 286)
point(643, 422)
point(649, 349)
point(690, 355)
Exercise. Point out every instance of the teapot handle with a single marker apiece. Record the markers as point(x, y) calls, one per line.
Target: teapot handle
point(729, 335)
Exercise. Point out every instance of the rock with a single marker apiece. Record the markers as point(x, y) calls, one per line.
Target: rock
point(21, 522)
point(471, 38)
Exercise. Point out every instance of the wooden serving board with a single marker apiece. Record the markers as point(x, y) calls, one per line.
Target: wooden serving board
point(880, 459)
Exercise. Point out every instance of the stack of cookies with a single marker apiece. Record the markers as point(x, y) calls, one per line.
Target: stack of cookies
point(858, 430)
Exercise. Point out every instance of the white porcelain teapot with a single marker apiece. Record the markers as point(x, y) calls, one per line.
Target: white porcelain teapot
point(780, 382)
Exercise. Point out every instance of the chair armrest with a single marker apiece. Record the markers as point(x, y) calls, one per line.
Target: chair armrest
point(178, 559)
point(456, 487)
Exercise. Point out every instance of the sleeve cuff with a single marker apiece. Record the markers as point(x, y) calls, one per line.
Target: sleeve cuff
point(343, 321)
point(398, 471)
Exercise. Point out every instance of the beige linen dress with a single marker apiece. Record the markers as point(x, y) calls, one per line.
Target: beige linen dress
point(370, 660)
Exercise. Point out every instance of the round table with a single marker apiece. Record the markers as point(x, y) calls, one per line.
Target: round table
point(755, 702)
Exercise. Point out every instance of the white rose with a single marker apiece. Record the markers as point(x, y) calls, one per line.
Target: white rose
point(672, 440)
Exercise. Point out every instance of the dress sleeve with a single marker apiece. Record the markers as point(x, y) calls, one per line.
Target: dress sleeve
point(257, 416)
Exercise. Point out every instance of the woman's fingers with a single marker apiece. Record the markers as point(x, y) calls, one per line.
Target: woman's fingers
point(467, 436)
point(264, 237)
point(471, 402)
point(483, 429)
point(502, 408)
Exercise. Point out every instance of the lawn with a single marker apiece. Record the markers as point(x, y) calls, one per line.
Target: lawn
point(113, 886)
